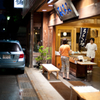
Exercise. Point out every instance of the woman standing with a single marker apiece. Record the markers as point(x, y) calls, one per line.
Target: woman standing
point(64, 52)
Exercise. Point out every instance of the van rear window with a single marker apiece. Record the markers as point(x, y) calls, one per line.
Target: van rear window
point(10, 47)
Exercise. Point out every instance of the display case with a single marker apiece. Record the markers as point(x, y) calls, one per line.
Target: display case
point(78, 68)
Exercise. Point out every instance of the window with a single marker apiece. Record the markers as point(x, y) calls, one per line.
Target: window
point(10, 47)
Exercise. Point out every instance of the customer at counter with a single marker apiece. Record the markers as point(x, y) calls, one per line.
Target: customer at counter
point(91, 48)
point(64, 51)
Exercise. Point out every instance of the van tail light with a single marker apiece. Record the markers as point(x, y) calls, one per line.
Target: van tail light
point(21, 56)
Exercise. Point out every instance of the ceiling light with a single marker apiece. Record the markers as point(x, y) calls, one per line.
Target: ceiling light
point(64, 34)
point(50, 5)
point(44, 10)
point(50, 1)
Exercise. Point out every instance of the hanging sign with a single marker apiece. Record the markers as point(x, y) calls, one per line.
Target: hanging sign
point(82, 38)
point(65, 9)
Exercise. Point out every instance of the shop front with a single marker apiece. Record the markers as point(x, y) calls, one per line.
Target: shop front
point(71, 29)
point(64, 20)
point(52, 30)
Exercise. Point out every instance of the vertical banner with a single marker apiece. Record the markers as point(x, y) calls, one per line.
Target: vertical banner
point(82, 38)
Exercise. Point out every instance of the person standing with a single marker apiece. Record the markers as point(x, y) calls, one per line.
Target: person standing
point(91, 48)
point(38, 46)
point(64, 51)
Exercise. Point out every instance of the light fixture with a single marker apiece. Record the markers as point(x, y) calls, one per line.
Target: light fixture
point(58, 34)
point(44, 10)
point(8, 17)
point(64, 33)
point(4, 29)
point(50, 5)
point(36, 33)
point(50, 1)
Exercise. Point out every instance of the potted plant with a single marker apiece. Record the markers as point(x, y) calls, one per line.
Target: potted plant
point(41, 57)
point(48, 54)
point(44, 56)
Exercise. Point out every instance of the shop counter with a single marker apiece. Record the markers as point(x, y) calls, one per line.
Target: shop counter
point(86, 63)
point(58, 61)
point(77, 68)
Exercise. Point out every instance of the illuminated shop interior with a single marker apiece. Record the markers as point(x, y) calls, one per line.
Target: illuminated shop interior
point(71, 31)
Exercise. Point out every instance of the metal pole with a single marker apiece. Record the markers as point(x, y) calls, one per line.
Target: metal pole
point(31, 40)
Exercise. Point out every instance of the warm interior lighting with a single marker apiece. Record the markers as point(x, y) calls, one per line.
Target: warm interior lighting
point(36, 33)
point(64, 33)
point(58, 34)
point(44, 10)
point(50, 1)
point(50, 5)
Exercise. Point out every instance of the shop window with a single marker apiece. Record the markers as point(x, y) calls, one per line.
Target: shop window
point(37, 39)
point(66, 35)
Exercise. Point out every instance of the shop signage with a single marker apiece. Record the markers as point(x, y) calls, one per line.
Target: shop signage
point(83, 34)
point(65, 10)
point(18, 4)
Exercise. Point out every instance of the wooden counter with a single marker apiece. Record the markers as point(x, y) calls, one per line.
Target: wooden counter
point(78, 69)
point(58, 61)
point(86, 63)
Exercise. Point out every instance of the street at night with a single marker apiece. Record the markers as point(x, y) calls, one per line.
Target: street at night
point(15, 86)
point(49, 49)
point(9, 89)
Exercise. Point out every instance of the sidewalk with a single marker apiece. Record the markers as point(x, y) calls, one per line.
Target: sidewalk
point(26, 91)
point(43, 88)
point(46, 91)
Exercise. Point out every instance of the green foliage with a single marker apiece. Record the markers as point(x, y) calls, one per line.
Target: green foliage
point(48, 53)
point(44, 54)
point(40, 67)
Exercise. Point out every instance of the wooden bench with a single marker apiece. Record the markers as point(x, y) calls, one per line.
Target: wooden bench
point(43, 88)
point(50, 68)
point(85, 93)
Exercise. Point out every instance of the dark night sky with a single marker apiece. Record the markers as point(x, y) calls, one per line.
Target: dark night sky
point(1, 7)
point(1, 4)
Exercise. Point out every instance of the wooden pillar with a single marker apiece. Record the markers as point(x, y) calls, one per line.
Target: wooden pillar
point(45, 29)
point(31, 41)
point(74, 43)
point(53, 45)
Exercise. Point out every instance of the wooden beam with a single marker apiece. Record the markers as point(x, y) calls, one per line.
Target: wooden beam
point(53, 46)
point(31, 41)
point(74, 33)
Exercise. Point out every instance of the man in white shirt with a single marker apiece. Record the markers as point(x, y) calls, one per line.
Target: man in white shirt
point(91, 48)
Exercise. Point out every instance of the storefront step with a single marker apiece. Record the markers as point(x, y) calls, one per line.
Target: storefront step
point(43, 88)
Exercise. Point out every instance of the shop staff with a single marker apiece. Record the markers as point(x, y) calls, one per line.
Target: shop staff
point(91, 48)
point(64, 52)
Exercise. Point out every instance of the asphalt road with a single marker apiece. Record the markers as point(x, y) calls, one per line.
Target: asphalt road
point(9, 89)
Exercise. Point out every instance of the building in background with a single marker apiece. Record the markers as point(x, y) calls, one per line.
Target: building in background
point(54, 29)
